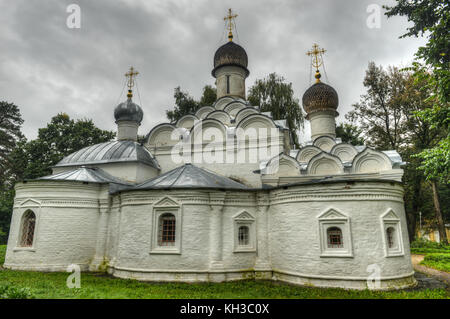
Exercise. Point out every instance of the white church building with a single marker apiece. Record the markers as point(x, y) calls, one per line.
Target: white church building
point(221, 195)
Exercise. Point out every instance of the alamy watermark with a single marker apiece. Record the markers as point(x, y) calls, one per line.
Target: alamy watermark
point(73, 21)
point(373, 21)
point(74, 279)
point(373, 280)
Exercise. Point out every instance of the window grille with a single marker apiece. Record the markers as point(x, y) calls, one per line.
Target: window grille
point(166, 230)
point(243, 236)
point(28, 225)
point(334, 235)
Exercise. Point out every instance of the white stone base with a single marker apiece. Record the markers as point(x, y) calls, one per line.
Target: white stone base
point(400, 282)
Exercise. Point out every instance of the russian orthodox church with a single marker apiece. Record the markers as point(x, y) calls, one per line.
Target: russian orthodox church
point(221, 195)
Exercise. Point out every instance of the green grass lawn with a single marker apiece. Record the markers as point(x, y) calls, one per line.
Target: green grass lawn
point(437, 261)
point(437, 256)
point(53, 285)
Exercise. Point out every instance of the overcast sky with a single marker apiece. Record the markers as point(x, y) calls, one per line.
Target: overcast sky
point(47, 68)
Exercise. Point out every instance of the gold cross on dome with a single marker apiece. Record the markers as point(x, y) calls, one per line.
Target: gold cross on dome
point(230, 18)
point(131, 75)
point(316, 52)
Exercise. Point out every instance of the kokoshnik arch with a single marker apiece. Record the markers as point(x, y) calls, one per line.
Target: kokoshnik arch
point(319, 215)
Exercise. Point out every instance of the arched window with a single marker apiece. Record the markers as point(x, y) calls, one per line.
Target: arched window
point(390, 236)
point(28, 224)
point(243, 236)
point(166, 230)
point(334, 235)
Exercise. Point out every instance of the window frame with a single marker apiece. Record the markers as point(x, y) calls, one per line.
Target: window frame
point(166, 206)
point(329, 219)
point(34, 206)
point(391, 220)
point(244, 219)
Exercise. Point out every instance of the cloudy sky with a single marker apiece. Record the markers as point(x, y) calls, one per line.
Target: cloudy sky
point(47, 68)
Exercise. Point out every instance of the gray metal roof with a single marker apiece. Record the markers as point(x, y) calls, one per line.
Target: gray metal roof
point(188, 176)
point(85, 174)
point(110, 152)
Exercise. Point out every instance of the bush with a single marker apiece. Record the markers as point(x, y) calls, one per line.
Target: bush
point(424, 243)
point(8, 292)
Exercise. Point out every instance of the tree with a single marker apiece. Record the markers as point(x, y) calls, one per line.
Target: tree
point(274, 95)
point(388, 115)
point(432, 17)
point(209, 96)
point(349, 133)
point(10, 124)
point(379, 112)
point(186, 104)
point(61, 137)
point(33, 159)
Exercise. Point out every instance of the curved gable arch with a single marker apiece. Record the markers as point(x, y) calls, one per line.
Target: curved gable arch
point(161, 135)
point(346, 152)
point(220, 115)
point(325, 143)
point(371, 161)
point(222, 102)
point(203, 111)
point(325, 164)
point(234, 107)
point(306, 153)
point(208, 130)
point(245, 112)
point(187, 121)
point(283, 165)
point(256, 121)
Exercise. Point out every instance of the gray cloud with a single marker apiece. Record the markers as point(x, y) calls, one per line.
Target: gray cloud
point(46, 68)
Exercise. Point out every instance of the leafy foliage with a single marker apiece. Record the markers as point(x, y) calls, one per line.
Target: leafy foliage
point(186, 104)
point(273, 94)
point(437, 261)
point(10, 124)
point(11, 292)
point(61, 137)
point(349, 133)
point(379, 113)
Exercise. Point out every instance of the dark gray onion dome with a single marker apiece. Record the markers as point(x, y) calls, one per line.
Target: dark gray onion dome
point(128, 111)
point(320, 97)
point(110, 152)
point(230, 54)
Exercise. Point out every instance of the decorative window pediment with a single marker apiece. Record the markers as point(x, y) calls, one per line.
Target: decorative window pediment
point(335, 234)
point(30, 203)
point(166, 202)
point(392, 234)
point(244, 233)
point(166, 227)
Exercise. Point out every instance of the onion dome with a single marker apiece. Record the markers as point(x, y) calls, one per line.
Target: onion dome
point(320, 97)
point(128, 111)
point(230, 54)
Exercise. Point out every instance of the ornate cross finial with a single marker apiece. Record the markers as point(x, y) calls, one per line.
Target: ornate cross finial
point(230, 18)
point(131, 75)
point(317, 59)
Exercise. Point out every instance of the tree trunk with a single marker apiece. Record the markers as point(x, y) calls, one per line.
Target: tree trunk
point(437, 210)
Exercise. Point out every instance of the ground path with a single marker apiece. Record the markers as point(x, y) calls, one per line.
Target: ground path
point(440, 275)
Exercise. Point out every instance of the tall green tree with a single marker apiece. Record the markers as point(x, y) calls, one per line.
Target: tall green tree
point(349, 133)
point(10, 132)
point(274, 94)
point(388, 115)
point(35, 158)
point(378, 113)
point(186, 104)
point(431, 18)
point(61, 137)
